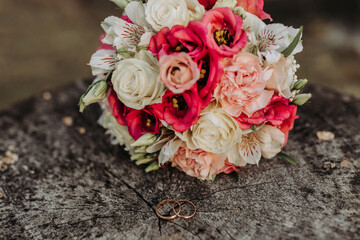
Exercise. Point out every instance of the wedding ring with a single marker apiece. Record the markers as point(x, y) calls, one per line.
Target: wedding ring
point(177, 213)
point(164, 202)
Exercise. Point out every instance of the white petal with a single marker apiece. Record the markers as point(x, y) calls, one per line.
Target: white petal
point(249, 149)
point(271, 140)
point(168, 150)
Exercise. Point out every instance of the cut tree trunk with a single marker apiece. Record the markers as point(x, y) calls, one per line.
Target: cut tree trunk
point(71, 184)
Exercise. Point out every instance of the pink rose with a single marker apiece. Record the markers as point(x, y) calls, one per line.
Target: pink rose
point(179, 110)
point(242, 87)
point(276, 113)
point(224, 32)
point(179, 39)
point(198, 163)
point(255, 7)
point(142, 121)
point(178, 72)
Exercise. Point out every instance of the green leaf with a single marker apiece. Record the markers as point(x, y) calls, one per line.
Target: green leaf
point(125, 53)
point(254, 127)
point(289, 50)
point(287, 158)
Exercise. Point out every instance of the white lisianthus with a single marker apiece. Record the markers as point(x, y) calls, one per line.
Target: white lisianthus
point(280, 75)
point(136, 82)
point(103, 61)
point(167, 13)
point(271, 140)
point(215, 131)
point(225, 3)
point(266, 142)
point(121, 34)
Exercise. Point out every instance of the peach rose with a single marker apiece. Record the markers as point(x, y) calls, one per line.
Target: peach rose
point(198, 163)
point(242, 87)
point(178, 72)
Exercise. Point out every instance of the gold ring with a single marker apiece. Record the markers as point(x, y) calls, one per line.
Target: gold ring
point(177, 213)
point(164, 202)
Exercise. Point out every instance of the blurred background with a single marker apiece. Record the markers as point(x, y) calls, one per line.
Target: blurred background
point(45, 44)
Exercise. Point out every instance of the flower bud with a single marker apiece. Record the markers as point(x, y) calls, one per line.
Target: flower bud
point(137, 156)
point(301, 99)
point(121, 3)
point(152, 167)
point(298, 85)
point(145, 140)
point(95, 93)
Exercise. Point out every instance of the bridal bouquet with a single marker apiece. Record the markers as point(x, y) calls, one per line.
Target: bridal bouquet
point(201, 85)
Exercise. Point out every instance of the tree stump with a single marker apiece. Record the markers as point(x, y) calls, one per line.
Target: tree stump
point(70, 182)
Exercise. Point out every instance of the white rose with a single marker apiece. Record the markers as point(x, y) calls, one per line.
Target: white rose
point(279, 76)
point(271, 140)
point(215, 131)
point(167, 13)
point(136, 82)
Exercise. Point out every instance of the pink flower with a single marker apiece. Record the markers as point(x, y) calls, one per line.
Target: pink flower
point(276, 113)
point(142, 121)
point(119, 110)
point(242, 87)
point(255, 7)
point(179, 39)
point(178, 72)
point(228, 168)
point(208, 4)
point(288, 124)
point(198, 163)
point(224, 32)
point(179, 110)
point(210, 75)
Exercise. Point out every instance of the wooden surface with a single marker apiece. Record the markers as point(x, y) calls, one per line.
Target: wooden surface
point(72, 185)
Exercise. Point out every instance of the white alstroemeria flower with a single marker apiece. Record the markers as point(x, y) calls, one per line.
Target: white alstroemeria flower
point(273, 39)
point(122, 34)
point(215, 131)
point(168, 150)
point(271, 140)
point(225, 3)
point(167, 13)
point(135, 81)
point(103, 61)
point(266, 142)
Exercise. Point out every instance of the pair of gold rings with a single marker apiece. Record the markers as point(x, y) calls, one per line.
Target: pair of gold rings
point(177, 213)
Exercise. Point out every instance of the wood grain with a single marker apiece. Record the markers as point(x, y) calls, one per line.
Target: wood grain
point(72, 185)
